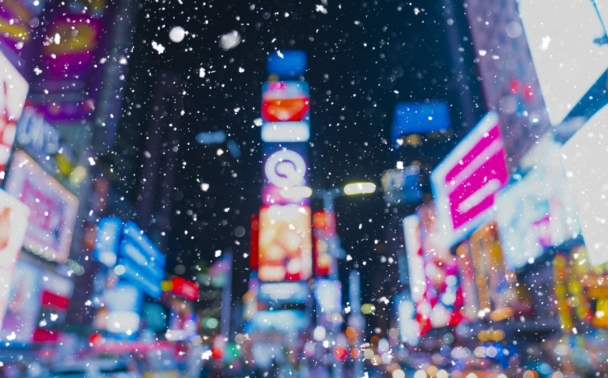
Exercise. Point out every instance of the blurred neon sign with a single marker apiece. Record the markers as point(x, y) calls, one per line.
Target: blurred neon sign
point(467, 180)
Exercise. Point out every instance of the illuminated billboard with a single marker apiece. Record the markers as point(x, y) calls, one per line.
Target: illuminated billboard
point(414, 117)
point(508, 77)
point(467, 180)
point(538, 211)
point(567, 49)
point(324, 228)
point(329, 295)
point(12, 99)
point(411, 229)
point(285, 111)
point(23, 307)
point(285, 169)
point(53, 208)
point(285, 244)
point(402, 186)
point(584, 157)
point(13, 225)
point(498, 295)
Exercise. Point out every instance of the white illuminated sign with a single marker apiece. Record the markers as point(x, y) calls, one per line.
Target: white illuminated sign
point(285, 168)
point(584, 158)
point(274, 132)
point(564, 42)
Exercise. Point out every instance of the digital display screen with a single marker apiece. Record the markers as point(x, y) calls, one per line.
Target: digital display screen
point(584, 157)
point(565, 47)
point(12, 100)
point(467, 180)
point(53, 208)
point(285, 244)
point(412, 117)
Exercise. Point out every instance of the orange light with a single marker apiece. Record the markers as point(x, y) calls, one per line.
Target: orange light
point(355, 353)
point(351, 332)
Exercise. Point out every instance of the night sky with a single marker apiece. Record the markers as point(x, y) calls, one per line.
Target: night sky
point(363, 58)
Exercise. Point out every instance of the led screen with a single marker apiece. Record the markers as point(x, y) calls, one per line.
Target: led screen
point(23, 304)
point(410, 118)
point(12, 100)
point(285, 168)
point(564, 42)
point(285, 109)
point(584, 157)
point(467, 180)
point(537, 211)
point(285, 244)
point(53, 208)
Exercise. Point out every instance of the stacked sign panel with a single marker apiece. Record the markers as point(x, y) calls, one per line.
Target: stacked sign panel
point(284, 258)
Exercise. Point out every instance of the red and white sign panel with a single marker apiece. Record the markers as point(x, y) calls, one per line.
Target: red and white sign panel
point(13, 91)
point(53, 208)
point(466, 182)
point(13, 223)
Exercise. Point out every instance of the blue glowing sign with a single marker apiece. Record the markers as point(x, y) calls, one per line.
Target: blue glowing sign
point(126, 245)
point(412, 118)
point(106, 241)
point(287, 64)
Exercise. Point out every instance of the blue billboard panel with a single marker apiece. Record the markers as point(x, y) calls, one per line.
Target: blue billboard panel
point(106, 241)
point(328, 294)
point(139, 278)
point(284, 292)
point(286, 64)
point(136, 235)
point(413, 117)
point(280, 320)
point(133, 252)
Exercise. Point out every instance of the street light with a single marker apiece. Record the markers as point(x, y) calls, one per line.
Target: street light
point(359, 188)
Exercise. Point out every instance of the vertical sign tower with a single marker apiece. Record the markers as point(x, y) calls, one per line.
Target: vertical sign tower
point(285, 241)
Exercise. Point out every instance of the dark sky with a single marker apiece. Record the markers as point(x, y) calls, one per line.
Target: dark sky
point(363, 58)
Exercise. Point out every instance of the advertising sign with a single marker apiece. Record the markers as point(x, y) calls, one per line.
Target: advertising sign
point(287, 64)
point(285, 243)
point(285, 109)
point(23, 304)
point(499, 295)
point(12, 99)
point(324, 228)
point(53, 208)
point(62, 89)
point(285, 168)
point(414, 118)
point(17, 18)
point(402, 186)
point(584, 156)
point(538, 211)
point(442, 301)
point(284, 292)
point(509, 82)
point(413, 246)
point(328, 294)
point(467, 180)
point(568, 46)
point(13, 224)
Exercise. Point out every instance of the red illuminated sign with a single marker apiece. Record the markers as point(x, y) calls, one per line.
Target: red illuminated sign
point(466, 182)
point(185, 288)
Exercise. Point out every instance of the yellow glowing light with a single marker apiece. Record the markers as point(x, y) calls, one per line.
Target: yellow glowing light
point(398, 373)
point(368, 308)
point(442, 374)
point(368, 354)
point(359, 188)
point(296, 192)
point(420, 374)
